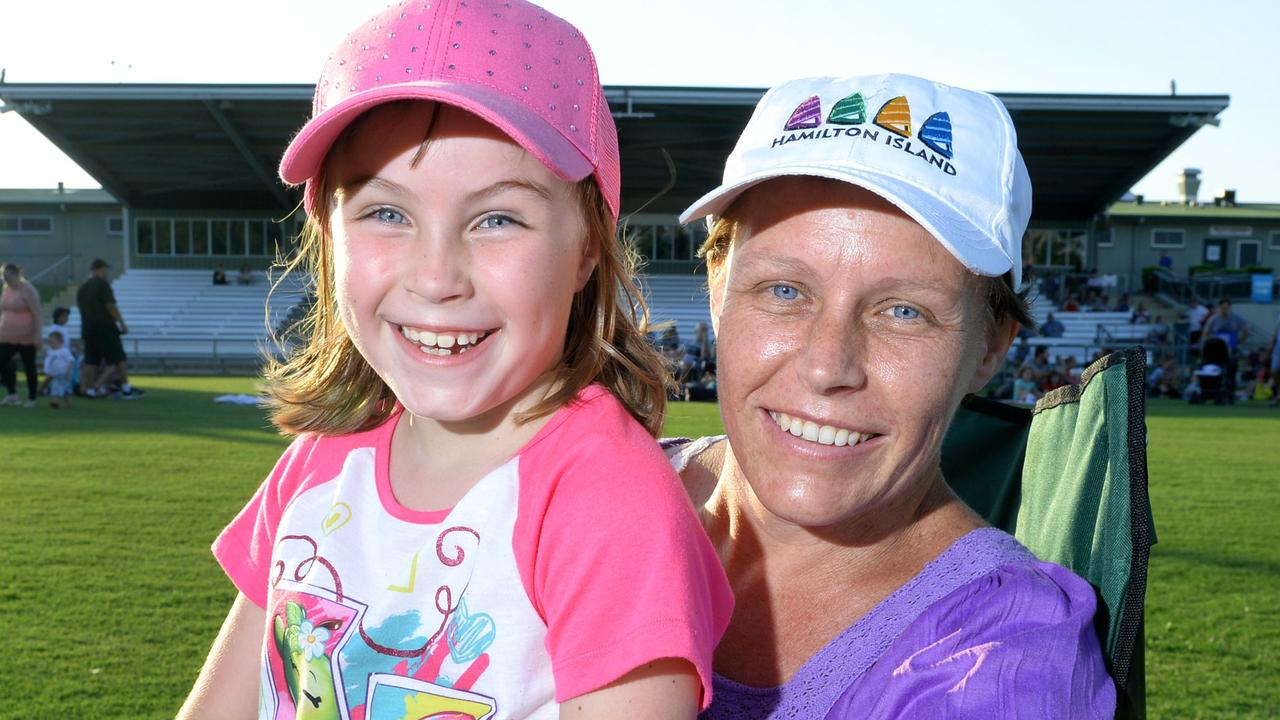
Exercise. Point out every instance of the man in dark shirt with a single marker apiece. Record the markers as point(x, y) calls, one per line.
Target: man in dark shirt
point(1051, 327)
point(101, 326)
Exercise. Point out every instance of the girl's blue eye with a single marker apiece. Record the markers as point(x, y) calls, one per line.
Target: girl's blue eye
point(902, 312)
point(387, 215)
point(492, 222)
point(784, 292)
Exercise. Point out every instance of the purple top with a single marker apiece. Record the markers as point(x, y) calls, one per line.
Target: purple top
point(984, 631)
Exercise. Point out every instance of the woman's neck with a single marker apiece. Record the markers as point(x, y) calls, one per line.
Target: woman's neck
point(798, 588)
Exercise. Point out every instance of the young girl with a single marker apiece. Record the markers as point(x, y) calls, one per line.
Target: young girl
point(473, 521)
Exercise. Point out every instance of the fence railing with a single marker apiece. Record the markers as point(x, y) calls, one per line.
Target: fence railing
point(60, 262)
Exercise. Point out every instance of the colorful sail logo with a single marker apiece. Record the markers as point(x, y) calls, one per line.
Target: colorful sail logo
point(849, 110)
point(808, 114)
point(894, 116)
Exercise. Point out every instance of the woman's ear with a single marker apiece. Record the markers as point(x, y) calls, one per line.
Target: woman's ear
point(998, 342)
point(715, 293)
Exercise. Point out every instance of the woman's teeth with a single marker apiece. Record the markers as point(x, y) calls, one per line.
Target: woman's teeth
point(813, 432)
point(433, 343)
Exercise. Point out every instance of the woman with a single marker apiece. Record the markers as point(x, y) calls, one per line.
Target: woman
point(861, 274)
point(19, 334)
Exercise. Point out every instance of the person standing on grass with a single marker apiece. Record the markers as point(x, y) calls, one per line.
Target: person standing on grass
point(19, 334)
point(1274, 365)
point(101, 326)
point(474, 518)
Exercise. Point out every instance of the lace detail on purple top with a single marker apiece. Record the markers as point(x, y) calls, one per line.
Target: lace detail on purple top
point(821, 680)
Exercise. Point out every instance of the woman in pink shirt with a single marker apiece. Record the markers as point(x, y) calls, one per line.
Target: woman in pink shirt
point(19, 334)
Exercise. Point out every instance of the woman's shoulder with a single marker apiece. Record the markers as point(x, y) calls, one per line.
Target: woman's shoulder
point(1020, 635)
point(1012, 585)
point(697, 462)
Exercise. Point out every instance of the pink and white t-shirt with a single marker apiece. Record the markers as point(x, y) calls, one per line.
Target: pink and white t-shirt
point(573, 563)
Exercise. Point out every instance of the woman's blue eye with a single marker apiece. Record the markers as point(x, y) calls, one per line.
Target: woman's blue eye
point(785, 292)
point(387, 215)
point(491, 222)
point(902, 312)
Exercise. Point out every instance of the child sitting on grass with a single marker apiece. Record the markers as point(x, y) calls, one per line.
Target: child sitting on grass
point(58, 363)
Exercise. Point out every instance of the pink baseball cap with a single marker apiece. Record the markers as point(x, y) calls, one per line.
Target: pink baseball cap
point(517, 66)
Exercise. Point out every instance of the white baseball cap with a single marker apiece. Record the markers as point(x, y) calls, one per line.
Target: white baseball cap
point(945, 156)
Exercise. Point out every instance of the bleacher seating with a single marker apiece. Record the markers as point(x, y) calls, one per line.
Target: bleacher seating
point(1085, 333)
point(681, 299)
point(181, 314)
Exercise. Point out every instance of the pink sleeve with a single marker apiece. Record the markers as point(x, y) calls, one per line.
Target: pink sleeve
point(622, 571)
point(243, 548)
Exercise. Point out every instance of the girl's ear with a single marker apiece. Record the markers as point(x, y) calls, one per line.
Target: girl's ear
point(588, 262)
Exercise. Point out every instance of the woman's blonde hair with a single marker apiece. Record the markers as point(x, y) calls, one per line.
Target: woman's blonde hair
point(324, 385)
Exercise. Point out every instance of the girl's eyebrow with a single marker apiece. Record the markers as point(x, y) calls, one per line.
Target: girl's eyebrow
point(376, 181)
point(517, 184)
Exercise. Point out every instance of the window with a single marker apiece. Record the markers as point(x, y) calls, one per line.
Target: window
point(200, 237)
point(27, 225)
point(666, 241)
point(1168, 238)
point(1105, 238)
point(1056, 247)
point(1275, 240)
point(115, 225)
point(146, 237)
point(257, 238)
point(1248, 253)
point(204, 237)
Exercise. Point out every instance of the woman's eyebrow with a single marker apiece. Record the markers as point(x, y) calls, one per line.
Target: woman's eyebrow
point(770, 262)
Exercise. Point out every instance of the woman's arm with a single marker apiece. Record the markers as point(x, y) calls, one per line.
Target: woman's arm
point(228, 682)
point(664, 689)
point(33, 302)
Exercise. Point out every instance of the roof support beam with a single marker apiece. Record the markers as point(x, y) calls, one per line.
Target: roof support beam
point(233, 134)
point(109, 181)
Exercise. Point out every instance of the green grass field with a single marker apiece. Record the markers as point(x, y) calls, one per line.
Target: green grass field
point(109, 596)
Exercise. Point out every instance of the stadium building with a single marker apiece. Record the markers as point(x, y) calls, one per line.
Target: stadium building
point(189, 182)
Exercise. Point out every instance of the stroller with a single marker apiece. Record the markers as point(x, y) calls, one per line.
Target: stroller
point(1214, 374)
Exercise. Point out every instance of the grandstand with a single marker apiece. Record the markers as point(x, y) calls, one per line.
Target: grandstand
point(177, 318)
point(678, 299)
point(1085, 332)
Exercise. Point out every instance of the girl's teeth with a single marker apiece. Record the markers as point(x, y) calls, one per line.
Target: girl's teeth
point(428, 340)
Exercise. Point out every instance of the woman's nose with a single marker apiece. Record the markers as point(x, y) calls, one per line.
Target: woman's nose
point(832, 359)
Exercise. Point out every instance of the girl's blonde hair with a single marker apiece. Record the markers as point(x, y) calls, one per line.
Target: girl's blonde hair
point(325, 386)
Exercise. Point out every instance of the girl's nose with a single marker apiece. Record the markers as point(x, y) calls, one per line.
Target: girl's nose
point(442, 273)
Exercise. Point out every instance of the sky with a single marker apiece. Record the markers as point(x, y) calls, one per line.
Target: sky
point(1226, 47)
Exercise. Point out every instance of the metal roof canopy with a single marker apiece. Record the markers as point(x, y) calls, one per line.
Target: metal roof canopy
point(216, 147)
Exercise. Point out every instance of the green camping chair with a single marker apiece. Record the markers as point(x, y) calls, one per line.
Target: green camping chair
point(1069, 479)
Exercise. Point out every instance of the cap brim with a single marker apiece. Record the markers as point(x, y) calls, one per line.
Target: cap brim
point(307, 150)
point(956, 232)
